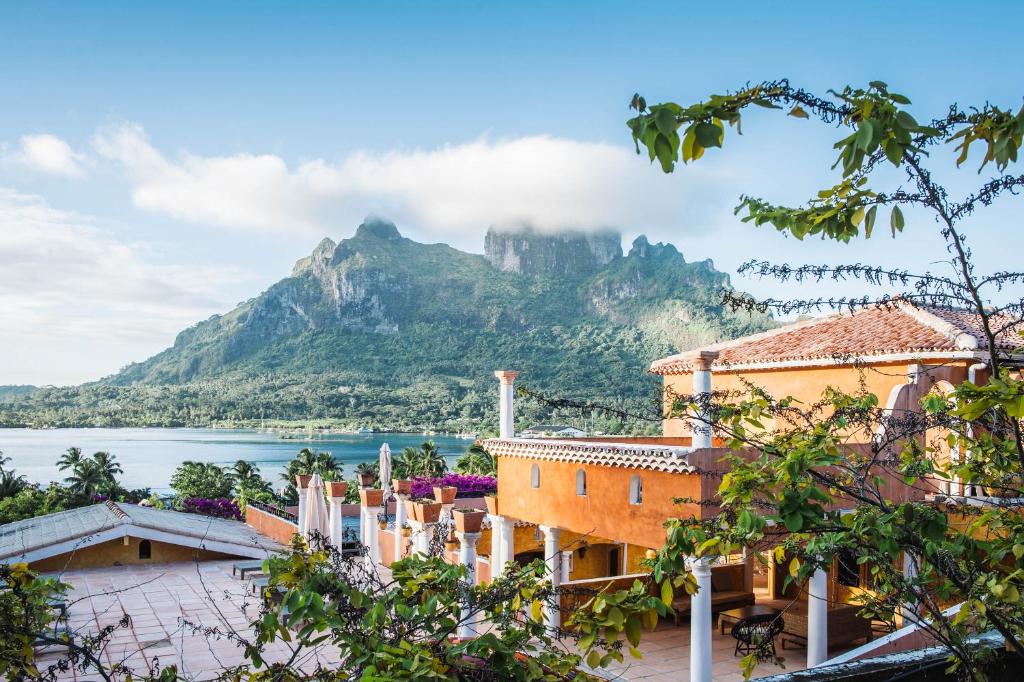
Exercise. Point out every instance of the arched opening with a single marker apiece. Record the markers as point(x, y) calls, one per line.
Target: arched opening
point(937, 447)
point(581, 482)
point(145, 550)
point(535, 476)
point(636, 490)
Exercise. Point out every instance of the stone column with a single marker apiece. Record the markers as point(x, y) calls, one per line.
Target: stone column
point(748, 569)
point(336, 491)
point(701, 391)
point(400, 521)
point(553, 560)
point(701, 623)
point(497, 560)
point(566, 565)
point(909, 612)
point(371, 500)
point(508, 542)
point(421, 535)
point(302, 486)
point(506, 415)
point(817, 618)
point(467, 557)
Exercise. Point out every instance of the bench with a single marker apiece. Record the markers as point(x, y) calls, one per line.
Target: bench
point(726, 592)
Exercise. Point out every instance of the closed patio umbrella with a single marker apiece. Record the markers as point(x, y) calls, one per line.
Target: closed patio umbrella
point(316, 510)
point(385, 466)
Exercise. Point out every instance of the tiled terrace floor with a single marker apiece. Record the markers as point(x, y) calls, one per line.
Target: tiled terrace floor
point(161, 598)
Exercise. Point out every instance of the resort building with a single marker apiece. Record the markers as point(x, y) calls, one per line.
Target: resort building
point(552, 431)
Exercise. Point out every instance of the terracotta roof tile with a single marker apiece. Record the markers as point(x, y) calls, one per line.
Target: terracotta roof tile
point(862, 334)
point(672, 459)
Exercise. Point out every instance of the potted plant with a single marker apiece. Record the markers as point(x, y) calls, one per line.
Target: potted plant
point(491, 500)
point(402, 486)
point(337, 488)
point(367, 474)
point(445, 494)
point(468, 520)
point(427, 511)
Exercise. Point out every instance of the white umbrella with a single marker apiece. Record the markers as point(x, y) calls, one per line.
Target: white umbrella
point(385, 466)
point(316, 510)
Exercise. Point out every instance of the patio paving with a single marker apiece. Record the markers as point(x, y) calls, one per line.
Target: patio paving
point(160, 598)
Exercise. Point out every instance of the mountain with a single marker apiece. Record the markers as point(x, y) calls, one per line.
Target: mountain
point(379, 329)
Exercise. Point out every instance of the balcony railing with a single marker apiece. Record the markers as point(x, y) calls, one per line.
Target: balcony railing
point(274, 510)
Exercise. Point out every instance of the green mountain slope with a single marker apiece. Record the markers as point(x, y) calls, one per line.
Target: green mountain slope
point(379, 329)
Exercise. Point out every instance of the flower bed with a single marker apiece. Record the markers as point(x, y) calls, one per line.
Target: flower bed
point(221, 507)
point(468, 485)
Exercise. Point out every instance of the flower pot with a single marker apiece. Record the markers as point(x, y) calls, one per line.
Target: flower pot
point(337, 488)
point(366, 480)
point(371, 497)
point(427, 511)
point(383, 525)
point(402, 486)
point(468, 520)
point(492, 504)
point(406, 532)
point(302, 481)
point(410, 509)
point(445, 494)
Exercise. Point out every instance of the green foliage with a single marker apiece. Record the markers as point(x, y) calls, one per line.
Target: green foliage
point(424, 461)
point(308, 462)
point(96, 475)
point(201, 479)
point(24, 615)
point(477, 461)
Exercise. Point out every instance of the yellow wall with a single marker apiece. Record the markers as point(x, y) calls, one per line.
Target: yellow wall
point(116, 553)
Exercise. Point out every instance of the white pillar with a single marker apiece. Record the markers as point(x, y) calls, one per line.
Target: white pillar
point(374, 528)
point(301, 483)
point(467, 557)
point(700, 428)
point(506, 414)
point(701, 623)
point(553, 560)
point(337, 527)
point(909, 610)
point(508, 542)
point(566, 565)
point(497, 560)
point(400, 521)
point(817, 618)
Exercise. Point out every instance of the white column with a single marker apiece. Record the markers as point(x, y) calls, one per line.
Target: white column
point(699, 428)
point(817, 618)
point(374, 528)
point(303, 496)
point(506, 414)
point(701, 624)
point(566, 565)
point(337, 527)
point(418, 531)
point(400, 521)
point(497, 560)
point(508, 542)
point(467, 557)
point(909, 611)
point(553, 560)
point(748, 569)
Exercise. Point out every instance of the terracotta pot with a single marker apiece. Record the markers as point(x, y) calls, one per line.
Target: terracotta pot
point(371, 497)
point(427, 511)
point(366, 480)
point(451, 546)
point(410, 509)
point(302, 481)
point(445, 494)
point(402, 486)
point(337, 488)
point(492, 504)
point(406, 532)
point(468, 520)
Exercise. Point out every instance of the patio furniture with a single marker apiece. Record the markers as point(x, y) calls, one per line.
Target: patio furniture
point(726, 592)
point(240, 568)
point(755, 634)
point(733, 616)
point(258, 584)
point(844, 625)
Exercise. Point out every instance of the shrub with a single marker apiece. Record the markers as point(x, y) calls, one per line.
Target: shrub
point(220, 507)
point(468, 485)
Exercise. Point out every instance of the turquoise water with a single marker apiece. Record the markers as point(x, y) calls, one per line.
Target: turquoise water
point(150, 456)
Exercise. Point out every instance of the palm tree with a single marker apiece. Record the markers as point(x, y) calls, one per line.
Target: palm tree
point(433, 462)
point(107, 464)
point(408, 463)
point(477, 461)
point(70, 459)
point(10, 483)
point(245, 476)
point(308, 462)
point(86, 478)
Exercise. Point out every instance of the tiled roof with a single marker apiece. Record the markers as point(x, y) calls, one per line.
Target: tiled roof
point(867, 333)
point(672, 459)
point(27, 535)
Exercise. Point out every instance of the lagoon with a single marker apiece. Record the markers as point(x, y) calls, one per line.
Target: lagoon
point(149, 456)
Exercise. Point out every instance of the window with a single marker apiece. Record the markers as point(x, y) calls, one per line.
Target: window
point(145, 550)
point(535, 476)
point(848, 572)
point(581, 482)
point(636, 490)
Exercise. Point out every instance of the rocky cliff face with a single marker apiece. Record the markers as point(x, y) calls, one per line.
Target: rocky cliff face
point(528, 252)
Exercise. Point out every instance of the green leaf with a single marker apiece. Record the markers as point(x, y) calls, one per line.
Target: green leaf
point(865, 131)
point(667, 595)
point(869, 220)
point(906, 121)
point(896, 220)
point(797, 112)
point(666, 121)
point(894, 152)
point(708, 134)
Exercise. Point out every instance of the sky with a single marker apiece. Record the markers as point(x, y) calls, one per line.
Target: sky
point(161, 162)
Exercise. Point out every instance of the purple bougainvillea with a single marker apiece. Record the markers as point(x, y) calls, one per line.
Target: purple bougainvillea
point(221, 507)
point(468, 485)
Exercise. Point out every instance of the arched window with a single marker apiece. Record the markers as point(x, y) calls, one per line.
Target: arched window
point(636, 490)
point(581, 482)
point(145, 550)
point(535, 476)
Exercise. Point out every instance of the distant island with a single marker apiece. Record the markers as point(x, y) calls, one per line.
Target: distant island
point(378, 330)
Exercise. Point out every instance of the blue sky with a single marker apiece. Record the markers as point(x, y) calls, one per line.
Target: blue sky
point(161, 162)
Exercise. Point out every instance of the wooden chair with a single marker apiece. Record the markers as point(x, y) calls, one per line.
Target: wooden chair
point(756, 634)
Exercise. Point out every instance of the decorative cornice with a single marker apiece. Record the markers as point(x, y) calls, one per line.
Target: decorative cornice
point(671, 459)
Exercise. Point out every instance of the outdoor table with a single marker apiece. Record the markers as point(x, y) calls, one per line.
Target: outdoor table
point(732, 616)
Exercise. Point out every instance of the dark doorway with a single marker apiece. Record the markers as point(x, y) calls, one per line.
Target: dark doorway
point(145, 550)
point(615, 561)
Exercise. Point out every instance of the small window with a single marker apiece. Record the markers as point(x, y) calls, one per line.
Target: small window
point(581, 482)
point(535, 476)
point(145, 550)
point(636, 490)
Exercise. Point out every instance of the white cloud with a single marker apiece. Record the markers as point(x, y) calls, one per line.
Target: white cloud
point(79, 303)
point(49, 154)
point(452, 192)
